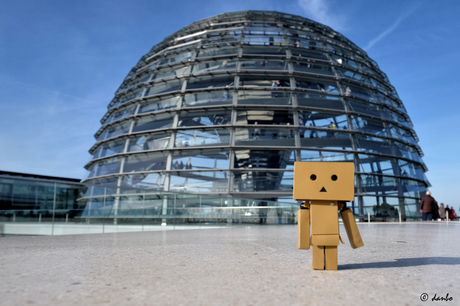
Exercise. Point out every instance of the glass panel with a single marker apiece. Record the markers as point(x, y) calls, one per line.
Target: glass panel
point(226, 41)
point(214, 66)
point(248, 97)
point(353, 75)
point(379, 207)
point(306, 43)
point(167, 73)
point(176, 58)
point(263, 40)
point(412, 207)
point(148, 142)
point(102, 186)
point(411, 170)
point(163, 87)
point(145, 181)
point(191, 138)
point(411, 188)
point(302, 54)
point(125, 98)
point(310, 155)
point(120, 114)
point(156, 105)
point(312, 67)
point(361, 92)
point(372, 144)
point(275, 159)
point(402, 134)
point(264, 81)
point(153, 123)
point(274, 30)
point(327, 139)
point(372, 184)
point(113, 131)
point(208, 98)
point(376, 164)
point(406, 151)
point(202, 181)
point(129, 207)
point(203, 118)
point(125, 86)
point(264, 50)
point(105, 167)
point(145, 162)
point(210, 82)
point(364, 107)
point(264, 117)
point(264, 64)
point(345, 61)
point(254, 181)
point(363, 124)
point(397, 118)
point(264, 136)
point(316, 86)
point(209, 52)
point(323, 120)
point(384, 99)
point(200, 159)
point(321, 101)
point(110, 149)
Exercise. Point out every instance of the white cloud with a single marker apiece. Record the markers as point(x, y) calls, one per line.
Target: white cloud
point(321, 11)
point(391, 28)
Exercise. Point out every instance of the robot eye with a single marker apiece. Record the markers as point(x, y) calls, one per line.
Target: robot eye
point(313, 177)
point(334, 177)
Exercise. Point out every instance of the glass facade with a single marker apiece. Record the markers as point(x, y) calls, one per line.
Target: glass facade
point(27, 197)
point(227, 104)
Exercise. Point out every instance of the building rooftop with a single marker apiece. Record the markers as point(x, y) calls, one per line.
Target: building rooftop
point(257, 265)
point(37, 176)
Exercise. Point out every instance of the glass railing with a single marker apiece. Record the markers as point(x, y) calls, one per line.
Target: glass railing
point(114, 209)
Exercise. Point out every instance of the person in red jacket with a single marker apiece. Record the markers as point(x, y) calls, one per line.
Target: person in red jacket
point(426, 206)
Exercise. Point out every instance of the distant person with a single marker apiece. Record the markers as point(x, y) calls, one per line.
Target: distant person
point(447, 212)
point(435, 211)
point(301, 131)
point(256, 133)
point(330, 134)
point(289, 132)
point(274, 86)
point(427, 206)
point(279, 212)
point(311, 131)
point(442, 212)
point(347, 91)
point(452, 215)
point(263, 213)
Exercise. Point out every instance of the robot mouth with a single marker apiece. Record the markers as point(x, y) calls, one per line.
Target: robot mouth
point(323, 190)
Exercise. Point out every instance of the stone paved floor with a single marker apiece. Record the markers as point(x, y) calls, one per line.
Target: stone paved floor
point(258, 265)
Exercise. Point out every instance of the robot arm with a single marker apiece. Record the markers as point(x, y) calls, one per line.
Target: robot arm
point(303, 221)
point(351, 227)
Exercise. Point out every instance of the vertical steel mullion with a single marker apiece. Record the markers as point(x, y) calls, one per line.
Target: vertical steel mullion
point(54, 208)
point(103, 210)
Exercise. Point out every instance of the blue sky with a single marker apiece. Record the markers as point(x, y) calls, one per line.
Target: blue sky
point(62, 61)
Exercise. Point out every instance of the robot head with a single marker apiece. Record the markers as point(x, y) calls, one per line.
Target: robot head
point(333, 181)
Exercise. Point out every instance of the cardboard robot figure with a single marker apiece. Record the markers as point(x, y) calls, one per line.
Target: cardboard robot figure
point(324, 186)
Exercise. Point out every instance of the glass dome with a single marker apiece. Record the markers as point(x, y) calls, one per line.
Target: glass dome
point(227, 104)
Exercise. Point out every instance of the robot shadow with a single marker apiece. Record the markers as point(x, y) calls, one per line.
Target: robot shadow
point(404, 262)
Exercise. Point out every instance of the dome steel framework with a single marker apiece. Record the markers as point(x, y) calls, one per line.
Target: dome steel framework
point(227, 104)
